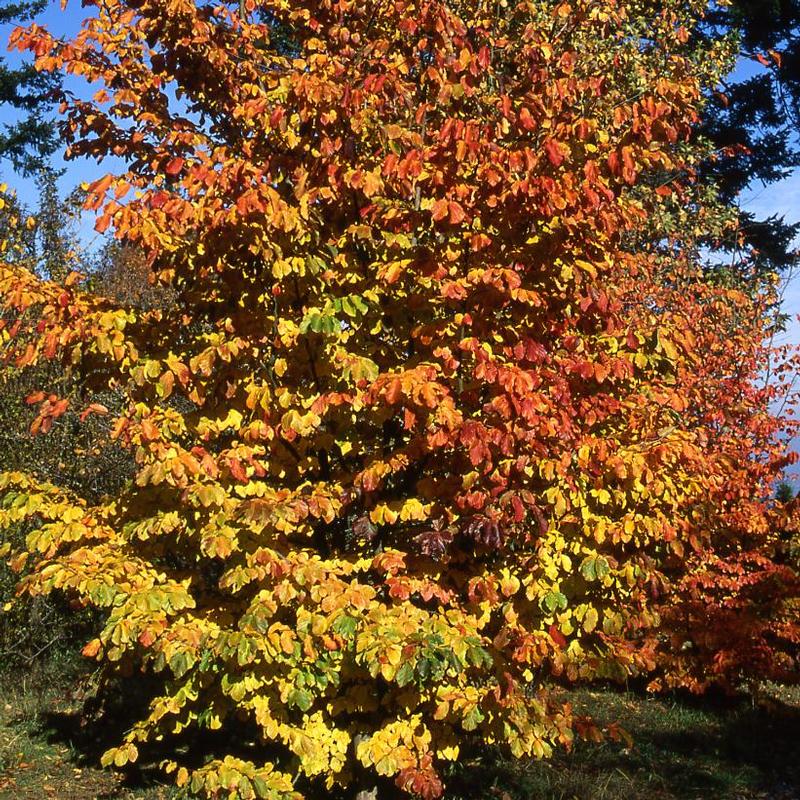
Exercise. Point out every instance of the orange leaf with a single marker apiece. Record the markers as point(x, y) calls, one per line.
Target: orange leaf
point(92, 648)
point(554, 152)
point(174, 167)
point(440, 210)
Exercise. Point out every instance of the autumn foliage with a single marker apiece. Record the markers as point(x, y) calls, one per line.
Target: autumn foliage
point(418, 434)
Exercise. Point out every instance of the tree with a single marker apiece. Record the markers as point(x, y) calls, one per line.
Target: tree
point(30, 141)
point(121, 272)
point(785, 492)
point(729, 609)
point(753, 121)
point(420, 433)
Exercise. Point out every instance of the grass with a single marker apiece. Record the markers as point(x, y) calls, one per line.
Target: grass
point(49, 750)
point(684, 749)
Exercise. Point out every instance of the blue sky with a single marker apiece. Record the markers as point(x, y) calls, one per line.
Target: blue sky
point(781, 198)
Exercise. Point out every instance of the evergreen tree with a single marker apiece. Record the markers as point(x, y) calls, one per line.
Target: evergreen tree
point(784, 493)
point(30, 140)
point(753, 121)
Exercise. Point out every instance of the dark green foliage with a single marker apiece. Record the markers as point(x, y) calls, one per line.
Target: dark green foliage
point(766, 25)
point(28, 142)
point(754, 121)
point(55, 229)
point(13, 12)
point(785, 492)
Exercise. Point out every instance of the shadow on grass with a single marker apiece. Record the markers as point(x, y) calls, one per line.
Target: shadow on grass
point(87, 740)
point(684, 749)
point(66, 735)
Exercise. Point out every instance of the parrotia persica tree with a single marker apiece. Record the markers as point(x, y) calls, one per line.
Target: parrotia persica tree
point(417, 434)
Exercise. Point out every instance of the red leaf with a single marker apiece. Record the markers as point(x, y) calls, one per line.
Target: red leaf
point(174, 167)
point(457, 214)
point(554, 152)
point(237, 470)
point(557, 636)
point(519, 509)
point(393, 392)
point(147, 637)
point(526, 120)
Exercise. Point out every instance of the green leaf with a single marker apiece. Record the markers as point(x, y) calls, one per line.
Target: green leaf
point(602, 567)
point(588, 569)
point(472, 719)
point(552, 601)
point(301, 698)
point(405, 674)
point(245, 787)
point(179, 664)
point(260, 786)
point(345, 626)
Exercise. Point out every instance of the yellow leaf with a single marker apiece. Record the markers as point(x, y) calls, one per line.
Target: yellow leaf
point(388, 671)
point(590, 619)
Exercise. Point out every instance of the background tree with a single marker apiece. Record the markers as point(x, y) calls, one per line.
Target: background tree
point(785, 492)
point(75, 455)
point(753, 121)
point(30, 141)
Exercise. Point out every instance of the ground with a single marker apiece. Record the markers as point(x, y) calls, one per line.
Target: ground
point(48, 751)
point(683, 749)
